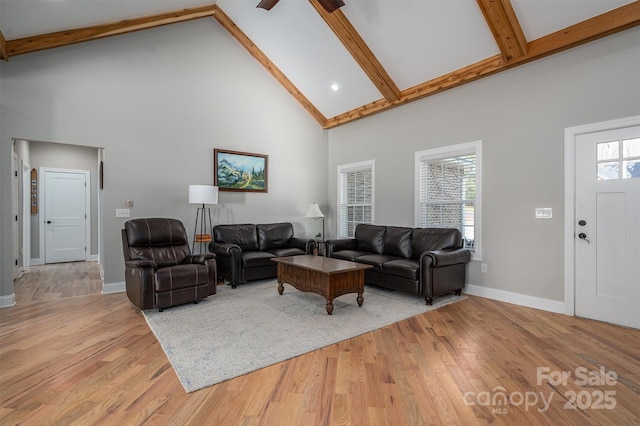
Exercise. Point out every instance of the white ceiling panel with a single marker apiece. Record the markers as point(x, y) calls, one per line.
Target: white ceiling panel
point(297, 40)
point(418, 40)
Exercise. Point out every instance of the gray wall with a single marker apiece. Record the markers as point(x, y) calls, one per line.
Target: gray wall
point(159, 101)
point(520, 115)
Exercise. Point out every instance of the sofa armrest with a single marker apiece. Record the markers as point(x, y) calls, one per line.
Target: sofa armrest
point(139, 279)
point(225, 249)
point(448, 257)
point(199, 258)
point(305, 244)
point(141, 264)
point(339, 244)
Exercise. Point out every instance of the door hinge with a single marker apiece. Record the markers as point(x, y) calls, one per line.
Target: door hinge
point(16, 218)
point(15, 172)
point(16, 262)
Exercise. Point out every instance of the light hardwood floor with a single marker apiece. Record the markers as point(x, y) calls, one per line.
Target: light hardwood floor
point(91, 359)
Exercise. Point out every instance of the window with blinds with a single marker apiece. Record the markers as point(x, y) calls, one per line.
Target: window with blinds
point(448, 190)
point(355, 196)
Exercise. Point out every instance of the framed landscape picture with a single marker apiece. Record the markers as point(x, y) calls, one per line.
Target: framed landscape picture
point(240, 171)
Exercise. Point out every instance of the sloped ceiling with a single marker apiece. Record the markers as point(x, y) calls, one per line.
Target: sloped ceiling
point(380, 53)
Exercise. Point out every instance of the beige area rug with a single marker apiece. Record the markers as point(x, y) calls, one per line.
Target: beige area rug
point(244, 329)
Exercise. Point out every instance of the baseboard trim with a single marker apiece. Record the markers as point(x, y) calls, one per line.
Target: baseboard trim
point(109, 288)
point(94, 258)
point(7, 301)
point(36, 262)
point(516, 298)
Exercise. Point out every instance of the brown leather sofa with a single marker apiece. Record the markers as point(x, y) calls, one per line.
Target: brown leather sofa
point(160, 270)
point(426, 261)
point(244, 252)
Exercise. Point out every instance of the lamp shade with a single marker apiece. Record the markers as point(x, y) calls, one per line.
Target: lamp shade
point(203, 194)
point(314, 211)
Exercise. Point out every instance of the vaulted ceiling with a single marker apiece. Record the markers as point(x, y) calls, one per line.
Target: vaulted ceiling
point(378, 53)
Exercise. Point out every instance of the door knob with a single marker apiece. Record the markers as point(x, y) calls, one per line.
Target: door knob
point(583, 236)
point(49, 221)
point(582, 222)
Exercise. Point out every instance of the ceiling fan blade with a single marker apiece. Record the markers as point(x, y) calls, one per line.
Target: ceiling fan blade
point(331, 5)
point(267, 4)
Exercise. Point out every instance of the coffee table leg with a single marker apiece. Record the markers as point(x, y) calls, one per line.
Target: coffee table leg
point(360, 299)
point(280, 288)
point(329, 307)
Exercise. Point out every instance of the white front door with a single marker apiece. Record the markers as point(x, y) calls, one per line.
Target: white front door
point(65, 216)
point(607, 226)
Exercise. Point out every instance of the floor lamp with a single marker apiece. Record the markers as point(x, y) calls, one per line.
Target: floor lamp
point(202, 194)
point(315, 212)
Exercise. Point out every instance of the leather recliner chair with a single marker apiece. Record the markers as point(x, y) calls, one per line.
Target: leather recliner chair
point(160, 270)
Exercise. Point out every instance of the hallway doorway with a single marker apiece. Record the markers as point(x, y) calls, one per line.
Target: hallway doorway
point(58, 281)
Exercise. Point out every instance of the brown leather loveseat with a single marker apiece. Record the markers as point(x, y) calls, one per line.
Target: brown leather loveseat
point(244, 251)
point(426, 261)
point(160, 270)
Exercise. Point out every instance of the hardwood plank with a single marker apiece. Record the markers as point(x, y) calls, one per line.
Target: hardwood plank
point(93, 360)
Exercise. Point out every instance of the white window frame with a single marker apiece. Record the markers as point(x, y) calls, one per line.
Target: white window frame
point(474, 147)
point(353, 167)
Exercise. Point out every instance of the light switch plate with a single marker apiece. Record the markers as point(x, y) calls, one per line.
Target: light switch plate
point(544, 212)
point(123, 212)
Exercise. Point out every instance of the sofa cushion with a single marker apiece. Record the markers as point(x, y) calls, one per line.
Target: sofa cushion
point(397, 242)
point(274, 235)
point(286, 251)
point(376, 260)
point(350, 255)
point(428, 239)
point(244, 236)
point(370, 238)
point(405, 268)
point(255, 259)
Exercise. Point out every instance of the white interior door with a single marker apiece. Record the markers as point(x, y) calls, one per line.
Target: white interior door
point(65, 216)
point(607, 228)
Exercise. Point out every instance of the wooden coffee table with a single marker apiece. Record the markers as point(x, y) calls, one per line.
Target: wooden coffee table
point(325, 276)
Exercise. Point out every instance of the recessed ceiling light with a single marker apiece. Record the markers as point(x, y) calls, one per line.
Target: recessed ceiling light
point(335, 87)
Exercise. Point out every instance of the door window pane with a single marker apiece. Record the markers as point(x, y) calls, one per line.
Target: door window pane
point(609, 170)
point(608, 150)
point(631, 148)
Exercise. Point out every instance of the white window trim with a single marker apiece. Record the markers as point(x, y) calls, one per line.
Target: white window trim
point(450, 151)
point(352, 167)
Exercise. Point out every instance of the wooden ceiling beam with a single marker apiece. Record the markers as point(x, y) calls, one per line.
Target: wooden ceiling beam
point(620, 19)
point(453, 79)
point(505, 27)
point(354, 43)
point(3, 48)
point(37, 43)
point(608, 23)
point(275, 72)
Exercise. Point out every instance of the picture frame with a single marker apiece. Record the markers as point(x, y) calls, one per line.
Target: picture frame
point(237, 171)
